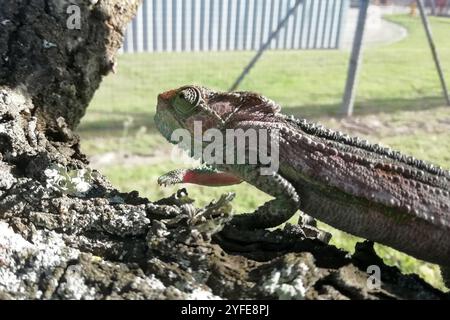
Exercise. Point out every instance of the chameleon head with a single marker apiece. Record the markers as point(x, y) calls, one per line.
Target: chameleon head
point(182, 108)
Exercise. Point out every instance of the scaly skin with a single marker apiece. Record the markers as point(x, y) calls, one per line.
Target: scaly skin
point(363, 189)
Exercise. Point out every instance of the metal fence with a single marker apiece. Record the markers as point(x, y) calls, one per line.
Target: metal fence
point(228, 25)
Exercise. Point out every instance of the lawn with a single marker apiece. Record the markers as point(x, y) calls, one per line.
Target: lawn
point(399, 103)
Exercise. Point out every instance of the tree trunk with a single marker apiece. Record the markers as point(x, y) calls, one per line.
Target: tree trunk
point(66, 233)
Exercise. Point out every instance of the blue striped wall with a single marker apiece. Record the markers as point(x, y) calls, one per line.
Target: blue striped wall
point(225, 25)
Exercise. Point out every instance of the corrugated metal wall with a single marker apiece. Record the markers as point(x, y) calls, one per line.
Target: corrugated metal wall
point(223, 25)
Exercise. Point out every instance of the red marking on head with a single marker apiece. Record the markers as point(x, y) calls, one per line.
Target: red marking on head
point(168, 95)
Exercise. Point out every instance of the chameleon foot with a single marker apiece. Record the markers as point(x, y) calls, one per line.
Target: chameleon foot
point(309, 227)
point(307, 220)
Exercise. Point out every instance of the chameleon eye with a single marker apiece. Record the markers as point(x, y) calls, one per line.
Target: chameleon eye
point(186, 101)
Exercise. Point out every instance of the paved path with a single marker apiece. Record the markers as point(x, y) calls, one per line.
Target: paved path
point(378, 30)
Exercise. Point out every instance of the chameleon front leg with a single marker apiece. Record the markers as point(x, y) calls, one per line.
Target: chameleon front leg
point(273, 212)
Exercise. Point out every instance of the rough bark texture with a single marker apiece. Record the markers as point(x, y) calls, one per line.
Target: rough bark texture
point(66, 233)
point(58, 67)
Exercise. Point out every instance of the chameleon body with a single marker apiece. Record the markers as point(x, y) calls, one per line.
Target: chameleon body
point(364, 189)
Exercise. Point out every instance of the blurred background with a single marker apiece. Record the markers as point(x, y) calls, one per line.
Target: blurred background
point(398, 101)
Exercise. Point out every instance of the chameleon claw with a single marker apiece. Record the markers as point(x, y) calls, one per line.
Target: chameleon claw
point(307, 220)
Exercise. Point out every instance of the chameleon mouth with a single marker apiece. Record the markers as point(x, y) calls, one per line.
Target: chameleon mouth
point(165, 121)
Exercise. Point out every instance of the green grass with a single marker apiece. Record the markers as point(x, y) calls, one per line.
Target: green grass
point(398, 89)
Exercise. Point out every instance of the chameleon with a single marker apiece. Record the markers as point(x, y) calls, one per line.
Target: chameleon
point(361, 188)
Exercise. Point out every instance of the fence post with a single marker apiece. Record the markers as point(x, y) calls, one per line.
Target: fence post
point(427, 28)
point(433, 7)
point(355, 60)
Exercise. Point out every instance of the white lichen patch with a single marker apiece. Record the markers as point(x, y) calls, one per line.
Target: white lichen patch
point(6, 180)
point(47, 44)
point(194, 291)
point(70, 182)
point(116, 200)
point(24, 263)
point(132, 222)
point(10, 243)
point(202, 294)
point(151, 282)
point(287, 283)
point(74, 286)
point(16, 98)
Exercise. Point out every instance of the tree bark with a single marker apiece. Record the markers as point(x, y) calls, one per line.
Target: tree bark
point(67, 233)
